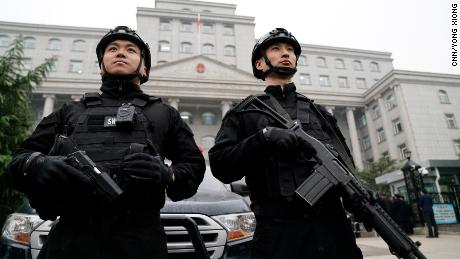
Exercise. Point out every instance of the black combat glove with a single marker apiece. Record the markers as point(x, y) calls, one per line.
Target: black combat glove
point(52, 172)
point(145, 168)
point(355, 205)
point(282, 141)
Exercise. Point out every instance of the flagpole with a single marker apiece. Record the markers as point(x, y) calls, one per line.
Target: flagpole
point(198, 28)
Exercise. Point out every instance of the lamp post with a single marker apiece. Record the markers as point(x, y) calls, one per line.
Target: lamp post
point(414, 184)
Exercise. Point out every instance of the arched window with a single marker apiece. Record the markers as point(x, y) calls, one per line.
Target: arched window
point(79, 45)
point(54, 44)
point(5, 40)
point(29, 42)
point(186, 47)
point(443, 97)
point(208, 118)
point(207, 48)
point(302, 60)
point(229, 50)
point(164, 46)
point(186, 116)
point(321, 62)
point(339, 64)
point(165, 25)
point(375, 67)
point(357, 65)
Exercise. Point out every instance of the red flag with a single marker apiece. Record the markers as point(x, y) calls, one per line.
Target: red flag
point(198, 23)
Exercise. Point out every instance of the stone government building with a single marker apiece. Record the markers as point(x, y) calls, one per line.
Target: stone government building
point(381, 111)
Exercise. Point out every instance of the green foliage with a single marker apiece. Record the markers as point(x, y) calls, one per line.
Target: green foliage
point(16, 117)
point(375, 169)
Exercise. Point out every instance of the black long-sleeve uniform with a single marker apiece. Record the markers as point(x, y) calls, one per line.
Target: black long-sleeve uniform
point(127, 229)
point(286, 226)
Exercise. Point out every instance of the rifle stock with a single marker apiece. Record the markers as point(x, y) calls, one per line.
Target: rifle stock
point(329, 172)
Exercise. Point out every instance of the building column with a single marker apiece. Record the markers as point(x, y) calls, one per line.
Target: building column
point(225, 107)
point(174, 102)
point(354, 138)
point(388, 128)
point(372, 130)
point(48, 107)
point(330, 109)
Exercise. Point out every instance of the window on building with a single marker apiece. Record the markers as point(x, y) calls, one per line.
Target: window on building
point(207, 142)
point(357, 65)
point(302, 61)
point(207, 48)
point(229, 50)
point(229, 30)
point(402, 150)
point(79, 45)
point(375, 67)
point(376, 112)
point(27, 62)
point(397, 127)
point(457, 147)
point(343, 82)
point(159, 62)
point(164, 46)
point(443, 97)
point(29, 43)
point(186, 116)
point(186, 27)
point(391, 102)
point(339, 64)
point(450, 119)
point(208, 118)
point(381, 135)
point(76, 66)
point(165, 25)
point(206, 11)
point(321, 62)
point(304, 79)
point(54, 44)
point(365, 143)
point(5, 40)
point(186, 47)
point(362, 120)
point(324, 81)
point(207, 28)
point(361, 83)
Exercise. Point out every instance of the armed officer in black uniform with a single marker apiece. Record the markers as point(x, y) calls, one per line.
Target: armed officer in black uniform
point(249, 144)
point(131, 148)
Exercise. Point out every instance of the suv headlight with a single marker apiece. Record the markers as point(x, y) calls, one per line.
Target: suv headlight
point(18, 227)
point(238, 226)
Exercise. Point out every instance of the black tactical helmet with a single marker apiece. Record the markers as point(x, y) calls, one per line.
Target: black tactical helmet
point(274, 36)
point(126, 33)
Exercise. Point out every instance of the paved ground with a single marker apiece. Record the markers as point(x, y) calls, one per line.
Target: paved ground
point(444, 247)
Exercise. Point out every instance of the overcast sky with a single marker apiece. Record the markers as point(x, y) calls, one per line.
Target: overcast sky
point(416, 32)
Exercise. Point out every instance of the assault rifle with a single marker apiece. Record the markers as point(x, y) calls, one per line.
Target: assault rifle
point(329, 172)
point(103, 184)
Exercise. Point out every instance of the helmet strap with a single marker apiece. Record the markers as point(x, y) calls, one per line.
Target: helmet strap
point(124, 78)
point(284, 71)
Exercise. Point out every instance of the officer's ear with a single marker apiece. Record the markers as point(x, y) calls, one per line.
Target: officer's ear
point(260, 64)
point(143, 69)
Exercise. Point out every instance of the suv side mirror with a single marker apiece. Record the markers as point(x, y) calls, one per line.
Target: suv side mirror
point(239, 188)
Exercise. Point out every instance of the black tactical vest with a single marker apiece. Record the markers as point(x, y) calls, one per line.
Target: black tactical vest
point(95, 131)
